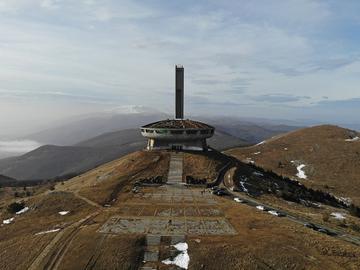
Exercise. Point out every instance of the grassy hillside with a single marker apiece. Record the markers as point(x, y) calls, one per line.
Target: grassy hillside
point(328, 156)
point(104, 195)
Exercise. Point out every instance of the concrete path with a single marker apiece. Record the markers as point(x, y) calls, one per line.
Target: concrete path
point(159, 248)
point(175, 169)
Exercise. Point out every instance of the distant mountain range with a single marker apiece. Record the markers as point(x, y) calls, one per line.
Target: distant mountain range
point(50, 161)
point(81, 144)
point(4, 180)
point(75, 131)
point(248, 131)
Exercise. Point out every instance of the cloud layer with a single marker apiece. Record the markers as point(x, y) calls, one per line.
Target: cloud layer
point(18, 147)
point(88, 55)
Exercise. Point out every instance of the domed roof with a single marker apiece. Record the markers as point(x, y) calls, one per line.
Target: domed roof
point(179, 124)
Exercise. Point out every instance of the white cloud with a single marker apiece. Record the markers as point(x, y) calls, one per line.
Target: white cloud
point(18, 147)
point(124, 10)
point(96, 51)
point(16, 6)
point(12, 6)
point(104, 14)
point(295, 14)
point(50, 4)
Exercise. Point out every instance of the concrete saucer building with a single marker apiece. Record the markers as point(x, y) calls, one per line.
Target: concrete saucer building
point(178, 133)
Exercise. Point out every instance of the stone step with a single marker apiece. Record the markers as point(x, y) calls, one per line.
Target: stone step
point(175, 169)
point(154, 245)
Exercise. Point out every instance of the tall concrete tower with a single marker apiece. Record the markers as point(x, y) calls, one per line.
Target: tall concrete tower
point(179, 133)
point(179, 92)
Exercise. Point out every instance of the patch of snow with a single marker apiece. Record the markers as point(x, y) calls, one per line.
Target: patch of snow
point(182, 259)
point(243, 186)
point(104, 176)
point(274, 213)
point(260, 207)
point(257, 153)
point(236, 199)
point(258, 173)
point(260, 143)
point(346, 201)
point(318, 205)
point(301, 174)
point(249, 160)
point(8, 221)
point(25, 209)
point(353, 139)
point(49, 231)
point(63, 213)
point(337, 215)
point(181, 246)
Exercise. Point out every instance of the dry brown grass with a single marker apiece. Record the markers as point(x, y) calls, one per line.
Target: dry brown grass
point(19, 244)
point(332, 164)
point(99, 184)
point(267, 242)
point(262, 241)
point(202, 165)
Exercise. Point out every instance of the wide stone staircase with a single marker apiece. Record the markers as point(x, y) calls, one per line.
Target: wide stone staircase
point(175, 175)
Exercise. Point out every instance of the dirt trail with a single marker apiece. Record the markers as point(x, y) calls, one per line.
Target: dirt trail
point(65, 240)
point(96, 254)
point(76, 194)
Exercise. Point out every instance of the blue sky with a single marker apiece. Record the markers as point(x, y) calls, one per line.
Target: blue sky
point(295, 59)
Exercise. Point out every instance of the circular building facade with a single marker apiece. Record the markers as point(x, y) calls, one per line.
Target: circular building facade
point(177, 134)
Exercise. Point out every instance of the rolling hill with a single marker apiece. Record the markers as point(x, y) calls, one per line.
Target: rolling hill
point(252, 131)
point(323, 157)
point(5, 180)
point(74, 131)
point(97, 221)
point(51, 161)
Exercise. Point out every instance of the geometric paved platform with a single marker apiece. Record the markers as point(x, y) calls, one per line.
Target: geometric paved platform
point(168, 226)
point(172, 209)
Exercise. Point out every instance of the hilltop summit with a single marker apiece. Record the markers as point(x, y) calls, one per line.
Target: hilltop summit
point(324, 157)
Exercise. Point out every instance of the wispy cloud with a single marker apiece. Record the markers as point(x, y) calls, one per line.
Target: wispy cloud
point(18, 147)
point(69, 97)
point(278, 98)
point(123, 52)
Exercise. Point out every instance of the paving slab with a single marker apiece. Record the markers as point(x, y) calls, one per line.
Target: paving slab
point(177, 239)
point(153, 240)
point(151, 255)
point(173, 226)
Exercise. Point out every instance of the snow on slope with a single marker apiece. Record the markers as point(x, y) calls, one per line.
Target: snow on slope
point(301, 174)
point(182, 259)
point(353, 139)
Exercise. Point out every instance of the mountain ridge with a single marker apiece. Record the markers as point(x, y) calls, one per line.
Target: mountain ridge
point(52, 161)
